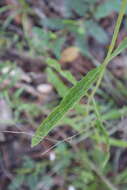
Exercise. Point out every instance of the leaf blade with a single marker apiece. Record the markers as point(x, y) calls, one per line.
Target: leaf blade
point(119, 49)
point(66, 74)
point(73, 96)
point(61, 88)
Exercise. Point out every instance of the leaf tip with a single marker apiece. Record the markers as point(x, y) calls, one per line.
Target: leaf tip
point(34, 142)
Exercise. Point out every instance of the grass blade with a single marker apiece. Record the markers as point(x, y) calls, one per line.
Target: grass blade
point(73, 96)
point(61, 88)
point(119, 49)
point(66, 74)
point(102, 130)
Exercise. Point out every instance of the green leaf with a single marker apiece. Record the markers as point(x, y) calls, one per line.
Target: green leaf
point(99, 122)
point(96, 31)
point(115, 114)
point(73, 96)
point(66, 74)
point(119, 49)
point(105, 9)
point(61, 88)
point(80, 6)
point(102, 130)
point(113, 141)
point(53, 23)
point(57, 46)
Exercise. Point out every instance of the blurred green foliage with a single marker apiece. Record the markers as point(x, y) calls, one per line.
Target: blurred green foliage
point(47, 38)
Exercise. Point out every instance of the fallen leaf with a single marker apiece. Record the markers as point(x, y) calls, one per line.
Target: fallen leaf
point(69, 54)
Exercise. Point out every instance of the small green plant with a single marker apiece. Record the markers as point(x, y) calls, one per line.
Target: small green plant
point(82, 160)
point(80, 88)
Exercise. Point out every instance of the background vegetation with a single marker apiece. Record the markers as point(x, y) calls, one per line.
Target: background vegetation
point(45, 47)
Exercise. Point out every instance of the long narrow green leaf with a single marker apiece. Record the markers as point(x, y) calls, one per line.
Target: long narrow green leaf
point(66, 74)
point(73, 96)
point(61, 88)
point(113, 142)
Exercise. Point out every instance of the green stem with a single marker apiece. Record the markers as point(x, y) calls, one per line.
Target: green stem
point(116, 31)
point(111, 47)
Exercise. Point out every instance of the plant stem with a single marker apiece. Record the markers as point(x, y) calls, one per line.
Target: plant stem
point(111, 47)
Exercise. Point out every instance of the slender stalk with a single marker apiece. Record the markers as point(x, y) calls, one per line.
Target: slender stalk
point(111, 47)
point(117, 28)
